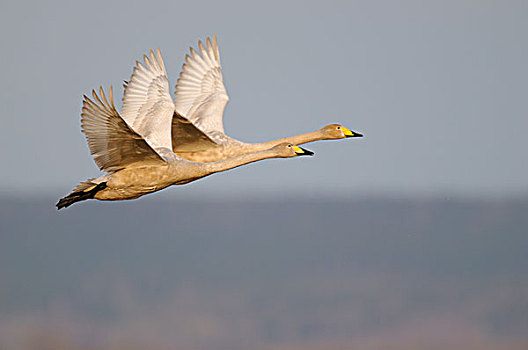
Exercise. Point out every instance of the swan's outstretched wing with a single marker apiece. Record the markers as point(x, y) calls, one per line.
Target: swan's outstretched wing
point(147, 105)
point(185, 136)
point(112, 142)
point(200, 94)
point(188, 138)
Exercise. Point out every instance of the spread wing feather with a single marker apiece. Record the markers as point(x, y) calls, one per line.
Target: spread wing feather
point(185, 136)
point(200, 94)
point(147, 105)
point(113, 144)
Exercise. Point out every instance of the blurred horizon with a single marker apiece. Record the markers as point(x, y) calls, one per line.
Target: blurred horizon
point(176, 195)
point(265, 274)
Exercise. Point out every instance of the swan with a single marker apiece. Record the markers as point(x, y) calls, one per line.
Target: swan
point(136, 165)
point(199, 103)
point(201, 97)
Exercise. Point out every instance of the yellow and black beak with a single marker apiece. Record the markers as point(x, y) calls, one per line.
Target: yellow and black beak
point(350, 133)
point(302, 152)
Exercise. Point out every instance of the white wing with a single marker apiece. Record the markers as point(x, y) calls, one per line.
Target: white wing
point(112, 142)
point(200, 94)
point(147, 105)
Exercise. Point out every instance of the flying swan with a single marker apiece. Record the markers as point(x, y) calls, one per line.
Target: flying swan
point(135, 148)
point(198, 108)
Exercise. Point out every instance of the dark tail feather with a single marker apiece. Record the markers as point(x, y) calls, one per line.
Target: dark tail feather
point(80, 196)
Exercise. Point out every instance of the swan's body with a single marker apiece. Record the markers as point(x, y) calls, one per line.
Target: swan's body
point(199, 103)
point(134, 167)
point(157, 142)
point(143, 178)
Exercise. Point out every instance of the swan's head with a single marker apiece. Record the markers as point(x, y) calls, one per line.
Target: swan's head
point(288, 150)
point(336, 131)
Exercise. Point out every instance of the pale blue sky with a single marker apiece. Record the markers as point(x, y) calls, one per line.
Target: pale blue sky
point(439, 88)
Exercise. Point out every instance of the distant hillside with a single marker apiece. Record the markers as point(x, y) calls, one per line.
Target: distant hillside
point(228, 275)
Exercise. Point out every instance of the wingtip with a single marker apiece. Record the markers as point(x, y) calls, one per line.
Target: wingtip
point(111, 96)
point(151, 60)
point(97, 98)
point(101, 91)
point(216, 49)
point(201, 46)
point(210, 49)
point(157, 58)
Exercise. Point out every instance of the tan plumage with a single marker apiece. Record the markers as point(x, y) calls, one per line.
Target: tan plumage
point(197, 114)
point(157, 142)
point(134, 167)
point(227, 147)
point(113, 144)
point(201, 97)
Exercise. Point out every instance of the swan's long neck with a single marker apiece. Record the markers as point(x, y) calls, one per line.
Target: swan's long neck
point(296, 140)
point(230, 163)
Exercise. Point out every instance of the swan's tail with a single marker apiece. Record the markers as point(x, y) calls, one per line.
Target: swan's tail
point(85, 190)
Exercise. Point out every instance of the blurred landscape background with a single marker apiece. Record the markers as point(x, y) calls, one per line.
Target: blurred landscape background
point(413, 237)
point(251, 274)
